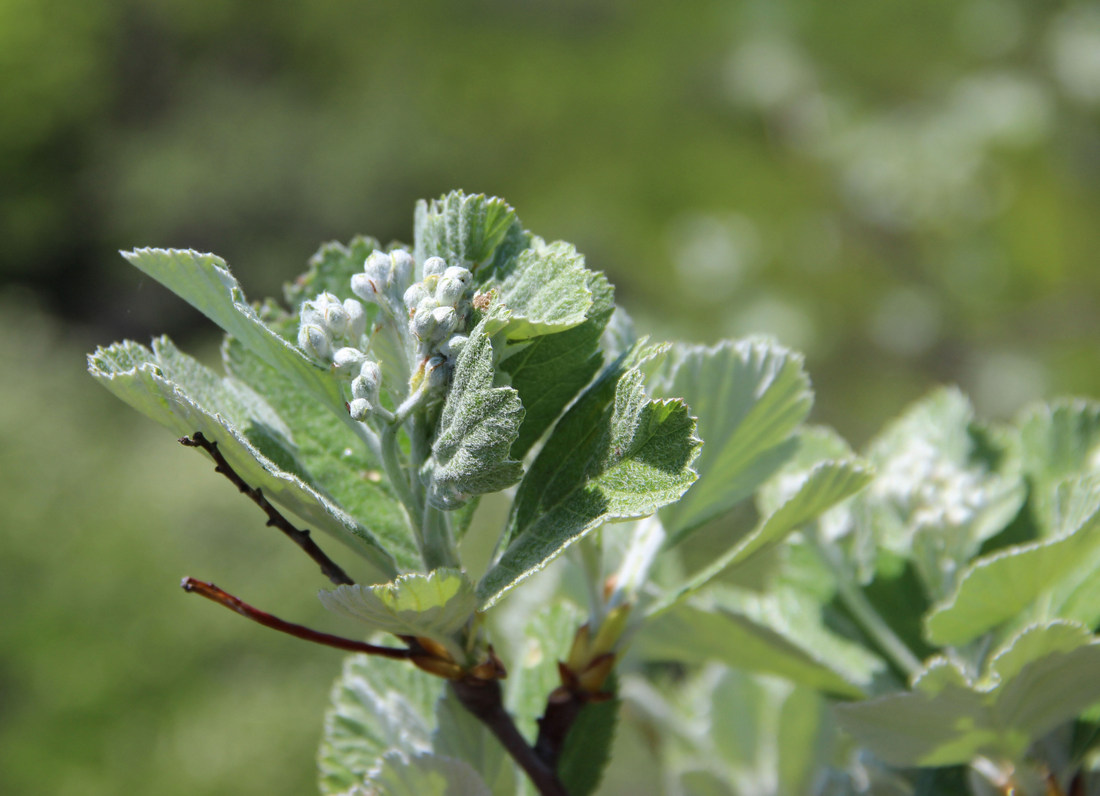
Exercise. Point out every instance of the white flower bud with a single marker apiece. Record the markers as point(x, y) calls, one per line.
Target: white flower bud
point(335, 317)
point(379, 268)
point(359, 408)
point(357, 320)
point(453, 347)
point(449, 290)
point(404, 268)
point(367, 384)
point(315, 341)
point(422, 324)
point(434, 266)
point(437, 372)
point(366, 288)
point(347, 360)
point(445, 321)
point(415, 294)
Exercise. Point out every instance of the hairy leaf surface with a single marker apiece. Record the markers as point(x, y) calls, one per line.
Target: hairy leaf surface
point(749, 396)
point(181, 394)
point(614, 455)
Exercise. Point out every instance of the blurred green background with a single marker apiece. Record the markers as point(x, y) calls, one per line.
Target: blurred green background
point(909, 193)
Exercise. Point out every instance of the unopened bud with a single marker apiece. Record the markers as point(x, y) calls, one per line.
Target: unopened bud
point(357, 320)
point(434, 266)
point(453, 346)
point(404, 268)
point(437, 371)
point(314, 340)
point(359, 408)
point(415, 294)
point(450, 289)
point(367, 384)
point(347, 360)
point(445, 321)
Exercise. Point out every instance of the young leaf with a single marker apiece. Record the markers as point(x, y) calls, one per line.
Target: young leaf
point(331, 453)
point(376, 706)
point(548, 371)
point(257, 448)
point(614, 455)
point(470, 455)
point(466, 231)
point(996, 587)
point(205, 282)
point(824, 486)
point(547, 292)
point(749, 396)
point(587, 748)
point(436, 605)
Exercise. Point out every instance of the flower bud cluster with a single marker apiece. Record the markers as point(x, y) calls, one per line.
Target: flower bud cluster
point(439, 308)
point(327, 323)
point(436, 310)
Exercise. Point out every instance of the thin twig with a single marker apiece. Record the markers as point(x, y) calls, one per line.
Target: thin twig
point(483, 699)
point(302, 538)
point(212, 592)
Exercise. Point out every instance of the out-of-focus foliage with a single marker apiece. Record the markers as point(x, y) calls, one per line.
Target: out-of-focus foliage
point(907, 193)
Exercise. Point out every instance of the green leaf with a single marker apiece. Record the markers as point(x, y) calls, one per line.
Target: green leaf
point(1058, 441)
point(459, 735)
point(331, 453)
point(376, 706)
point(614, 455)
point(179, 393)
point(470, 454)
point(769, 642)
point(436, 605)
point(424, 775)
point(547, 292)
point(995, 588)
point(823, 486)
point(587, 747)
point(204, 281)
point(749, 396)
point(467, 231)
point(548, 371)
point(1043, 677)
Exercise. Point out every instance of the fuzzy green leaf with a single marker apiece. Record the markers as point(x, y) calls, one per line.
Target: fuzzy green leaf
point(179, 393)
point(547, 292)
point(205, 282)
point(548, 371)
point(749, 396)
point(587, 748)
point(479, 422)
point(994, 588)
point(467, 231)
point(436, 605)
point(1058, 441)
point(823, 486)
point(331, 452)
point(376, 706)
point(1043, 677)
point(614, 455)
